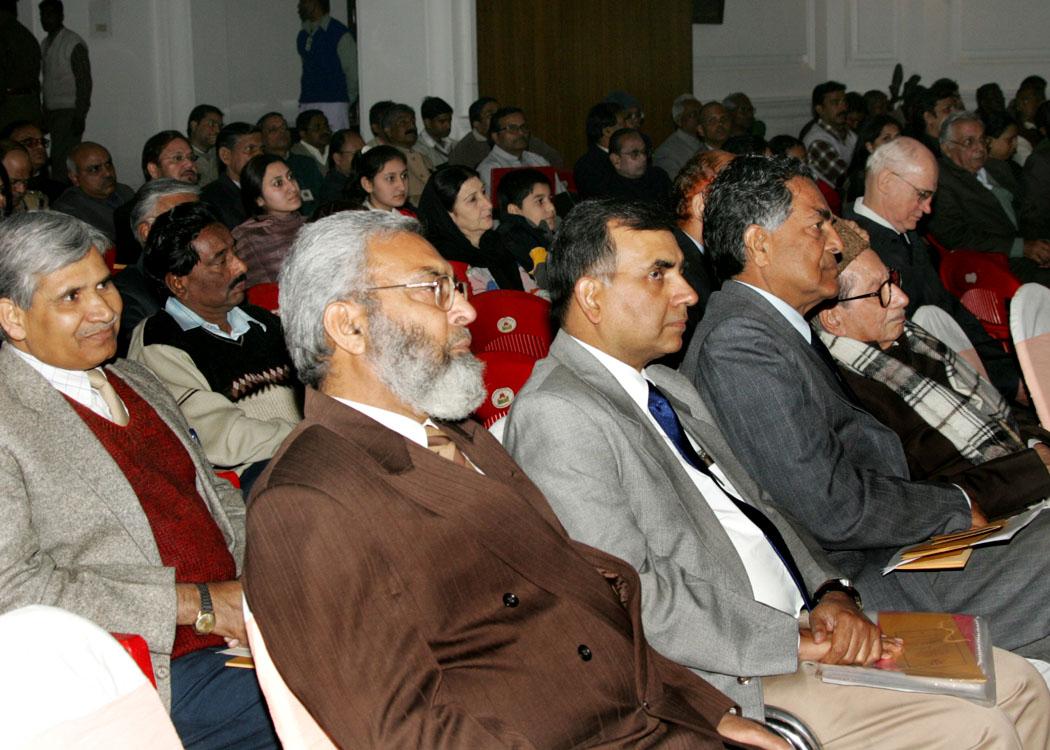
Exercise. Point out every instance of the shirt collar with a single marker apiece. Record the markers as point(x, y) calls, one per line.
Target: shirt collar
point(630, 379)
point(321, 156)
point(790, 314)
point(238, 319)
point(984, 178)
point(320, 23)
point(860, 208)
point(404, 426)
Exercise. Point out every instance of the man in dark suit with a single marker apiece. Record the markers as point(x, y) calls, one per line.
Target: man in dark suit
point(437, 599)
point(975, 210)
point(899, 186)
point(777, 396)
point(237, 143)
point(593, 170)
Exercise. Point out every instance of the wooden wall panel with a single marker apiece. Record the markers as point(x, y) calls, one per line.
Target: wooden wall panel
point(556, 58)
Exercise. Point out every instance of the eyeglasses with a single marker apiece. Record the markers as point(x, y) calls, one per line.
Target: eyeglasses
point(922, 195)
point(884, 292)
point(445, 289)
point(31, 142)
point(97, 168)
point(635, 153)
point(970, 143)
point(179, 158)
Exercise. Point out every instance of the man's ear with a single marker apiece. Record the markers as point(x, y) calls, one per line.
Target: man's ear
point(514, 210)
point(756, 244)
point(346, 325)
point(12, 319)
point(831, 319)
point(176, 285)
point(589, 297)
point(696, 205)
point(225, 155)
point(153, 170)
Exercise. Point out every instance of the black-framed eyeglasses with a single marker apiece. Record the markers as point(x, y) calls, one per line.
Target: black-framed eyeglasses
point(884, 292)
point(445, 289)
point(922, 195)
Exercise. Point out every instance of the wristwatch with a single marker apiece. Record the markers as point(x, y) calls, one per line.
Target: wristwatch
point(845, 585)
point(205, 622)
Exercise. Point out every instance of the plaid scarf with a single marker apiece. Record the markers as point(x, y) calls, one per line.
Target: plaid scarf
point(971, 414)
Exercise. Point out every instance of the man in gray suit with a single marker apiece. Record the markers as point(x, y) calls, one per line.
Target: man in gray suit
point(138, 540)
point(800, 433)
point(724, 575)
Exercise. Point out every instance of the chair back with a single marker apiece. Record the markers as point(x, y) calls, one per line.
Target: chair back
point(1030, 326)
point(505, 374)
point(511, 321)
point(295, 727)
point(984, 284)
point(943, 326)
point(264, 296)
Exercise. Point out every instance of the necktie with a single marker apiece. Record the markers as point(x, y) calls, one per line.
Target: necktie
point(117, 410)
point(442, 445)
point(825, 356)
point(668, 420)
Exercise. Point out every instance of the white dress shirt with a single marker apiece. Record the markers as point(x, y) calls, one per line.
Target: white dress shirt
point(72, 383)
point(239, 320)
point(793, 316)
point(771, 583)
point(863, 210)
point(498, 158)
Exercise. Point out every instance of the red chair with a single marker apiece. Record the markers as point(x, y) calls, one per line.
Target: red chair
point(136, 647)
point(505, 374)
point(459, 271)
point(832, 196)
point(984, 284)
point(264, 296)
point(511, 321)
point(230, 476)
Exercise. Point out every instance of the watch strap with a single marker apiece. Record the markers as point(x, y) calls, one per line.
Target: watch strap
point(206, 605)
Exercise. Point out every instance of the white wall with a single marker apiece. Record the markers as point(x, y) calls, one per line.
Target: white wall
point(777, 52)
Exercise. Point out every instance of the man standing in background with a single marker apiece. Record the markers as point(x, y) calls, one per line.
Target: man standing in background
point(67, 83)
point(329, 54)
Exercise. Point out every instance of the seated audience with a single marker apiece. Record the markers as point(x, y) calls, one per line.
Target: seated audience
point(593, 170)
point(1035, 213)
point(390, 377)
point(95, 193)
point(510, 139)
point(872, 134)
point(788, 145)
point(434, 142)
point(953, 425)
point(344, 147)
point(673, 153)
point(315, 135)
point(900, 183)
point(932, 107)
point(799, 433)
point(19, 167)
point(237, 143)
point(399, 125)
point(633, 178)
point(142, 295)
point(527, 220)
point(202, 128)
point(974, 210)
point(375, 122)
point(110, 508)
point(1030, 95)
point(829, 142)
point(742, 116)
point(457, 217)
point(277, 140)
point(270, 195)
point(35, 143)
point(475, 145)
point(379, 181)
point(223, 360)
point(714, 127)
point(723, 574)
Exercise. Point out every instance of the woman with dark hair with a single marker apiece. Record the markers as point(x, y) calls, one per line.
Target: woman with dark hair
point(457, 219)
point(873, 133)
point(380, 181)
point(6, 202)
point(271, 198)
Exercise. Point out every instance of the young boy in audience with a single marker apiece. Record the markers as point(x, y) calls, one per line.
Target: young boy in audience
point(527, 220)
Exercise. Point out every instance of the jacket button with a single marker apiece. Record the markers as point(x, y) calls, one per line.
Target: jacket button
point(510, 600)
point(162, 673)
point(744, 680)
point(585, 653)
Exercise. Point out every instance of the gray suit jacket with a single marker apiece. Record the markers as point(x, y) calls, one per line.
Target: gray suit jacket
point(616, 485)
point(74, 534)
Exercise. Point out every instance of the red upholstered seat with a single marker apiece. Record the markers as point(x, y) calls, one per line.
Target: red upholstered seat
point(511, 321)
point(984, 284)
point(264, 296)
point(505, 374)
point(136, 647)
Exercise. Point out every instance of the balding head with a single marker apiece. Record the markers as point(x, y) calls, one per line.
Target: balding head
point(900, 181)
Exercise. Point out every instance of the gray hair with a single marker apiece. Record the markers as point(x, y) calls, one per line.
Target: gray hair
point(678, 106)
point(146, 199)
point(899, 155)
point(35, 244)
point(952, 119)
point(328, 262)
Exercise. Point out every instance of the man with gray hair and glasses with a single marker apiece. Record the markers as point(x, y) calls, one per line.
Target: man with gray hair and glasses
point(437, 600)
point(110, 508)
point(978, 204)
point(673, 153)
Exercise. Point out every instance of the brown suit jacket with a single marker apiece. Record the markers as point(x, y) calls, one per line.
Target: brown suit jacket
point(410, 602)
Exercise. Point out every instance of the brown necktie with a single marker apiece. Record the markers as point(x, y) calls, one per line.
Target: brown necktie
point(442, 445)
point(117, 410)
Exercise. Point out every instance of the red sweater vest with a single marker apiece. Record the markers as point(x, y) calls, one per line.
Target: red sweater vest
point(160, 471)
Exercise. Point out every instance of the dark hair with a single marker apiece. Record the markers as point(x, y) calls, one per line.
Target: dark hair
point(617, 138)
point(474, 111)
point(233, 132)
point(267, 116)
point(448, 180)
point(601, 116)
point(855, 102)
point(392, 113)
point(9, 129)
point(368, 164)
point(944, 87)
point(750, 190)
point(745, 144)
point(5, 191)
point(988, 91)
point(871, 97)
point(995, 122)
point(302, 122)
point(779, 144)
point(823, 89)
point(338, 141)
point(499, 114)
point(434, 106)
point(169, 247)
point(252, 178)
point(583, 244)
point(869, 130)
point(199, 112)
point(53, 4)
point(154, 146)
point(516, 186)
point(1033, 83)
point(376, 111)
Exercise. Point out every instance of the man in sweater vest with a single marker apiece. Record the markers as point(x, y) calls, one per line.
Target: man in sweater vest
point(224, 361)
point(329, 55)
point(110, 508)
point(67, 83)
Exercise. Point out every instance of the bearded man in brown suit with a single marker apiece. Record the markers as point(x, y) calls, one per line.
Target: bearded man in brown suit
point(415, 597)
